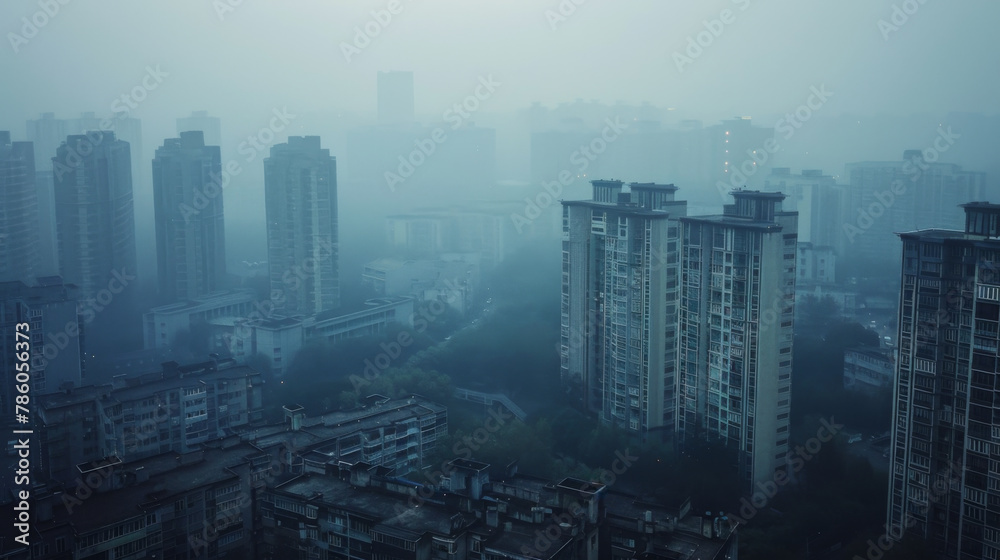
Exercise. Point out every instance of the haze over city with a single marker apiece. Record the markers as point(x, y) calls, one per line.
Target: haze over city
point(569, 279)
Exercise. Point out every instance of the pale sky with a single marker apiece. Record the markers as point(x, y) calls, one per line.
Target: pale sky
point(266, 54)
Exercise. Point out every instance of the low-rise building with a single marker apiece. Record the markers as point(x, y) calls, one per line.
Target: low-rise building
point(162, 325)
point(868, 369)
point(278, 338)
point(817, 264)
point(175, 410)
point(452, 279)
point(362, 511)
point(396, 434)
point(198, 504)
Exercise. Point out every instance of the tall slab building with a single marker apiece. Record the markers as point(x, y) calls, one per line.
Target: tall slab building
point(300, 184)
point(619, 303)
point(735, 330)
point(945, 454)
point(95, 224)
point(19, 230)
point(190, 231)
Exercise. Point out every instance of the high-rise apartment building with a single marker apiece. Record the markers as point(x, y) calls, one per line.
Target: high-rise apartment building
point(735, 331)
point(300, 184)
point(913, 194)
point(945, 454)
point(19, 245)
point(619, 303)
point(190, 232)
point(94, 213)
point(818, 199)
point(200, 120)
point(48, 133)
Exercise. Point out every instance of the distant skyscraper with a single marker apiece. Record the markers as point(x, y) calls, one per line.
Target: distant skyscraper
point(737, 304)
point(200, 120)
point(94, 215)
point(190, 232)
point(818, 199)
point(19, 245)
point(56, 326)
point(912, 194)
point(48, 133)
point(300, 189)
point(945, 457)
point(395, 97)
point(619, 303)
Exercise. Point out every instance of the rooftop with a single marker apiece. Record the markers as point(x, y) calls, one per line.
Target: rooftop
point(392, 510)
point(733, 221)
point(318, 430)
point(170, 475)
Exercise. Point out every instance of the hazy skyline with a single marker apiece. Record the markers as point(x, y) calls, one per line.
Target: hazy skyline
point(249, 58)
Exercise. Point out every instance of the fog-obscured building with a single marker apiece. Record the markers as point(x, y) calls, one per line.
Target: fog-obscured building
point(20, 244)
point(95, 219)
point(300, 184)
point(710, 160)
point(277, 338)
point(818, 199)
point(485, 229)
point(190, 227)
point(164, 324)
point(453, 279)
point(211, 127)
point(886, 197)
point(868, 370)
point(401, 163)
point(817, 264)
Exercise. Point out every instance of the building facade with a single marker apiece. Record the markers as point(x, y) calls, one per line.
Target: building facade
point(736, 315)
point(817, 198)
point(19, 228)
point(210, 126)
point(908, 195)
point(95, 223)
point(619, 303)
point(945, 455)
point(190, 229)
point(300, 184)
point(868, 370)
point(174, 410)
